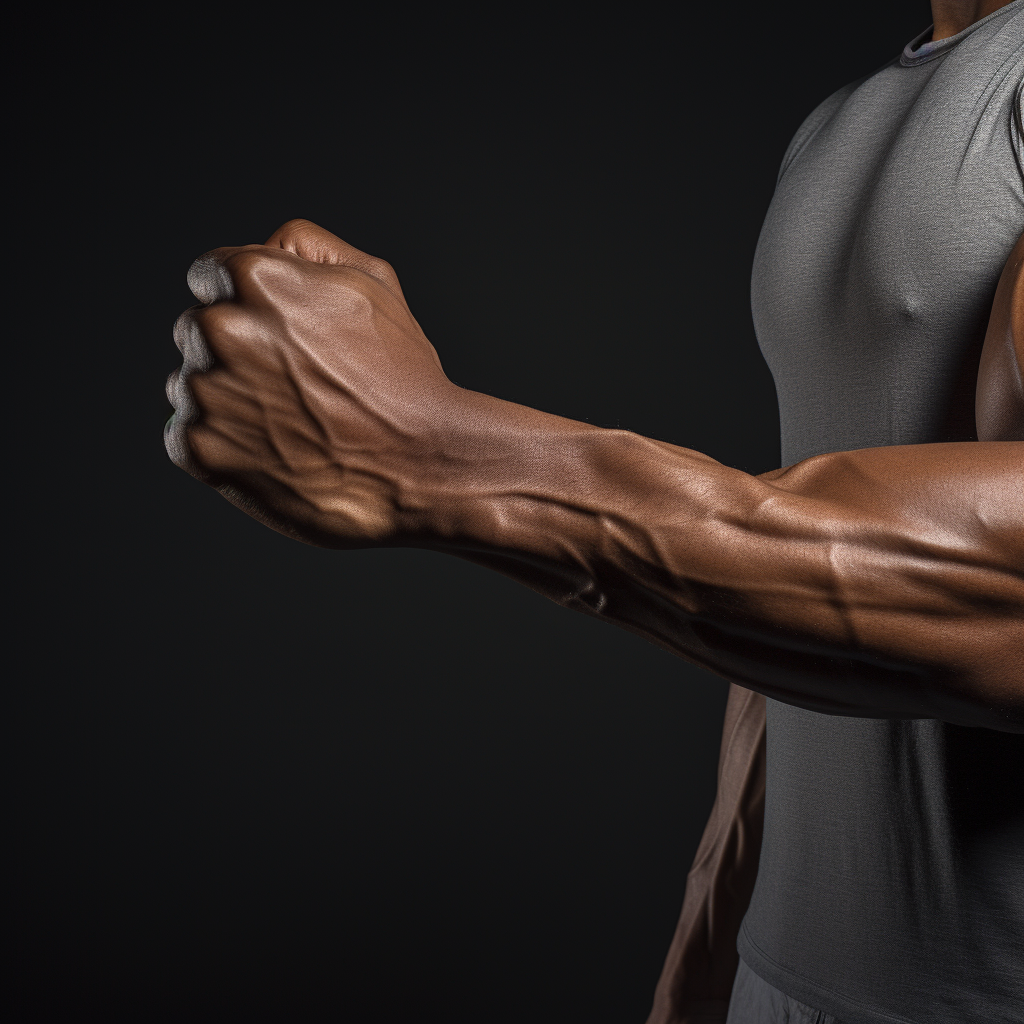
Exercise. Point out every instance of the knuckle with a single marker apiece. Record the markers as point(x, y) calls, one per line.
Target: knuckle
point(379, 268)
point(243, 263)
point(222, 330)
point(188, 443)
point(260, 271)
point(215, 321)
point(197, 442)
point(181, 395)
point(294, 228)
point(202, 393)
point(382, 271)
point(356, 292)
point(222, 275)
point(212, 454)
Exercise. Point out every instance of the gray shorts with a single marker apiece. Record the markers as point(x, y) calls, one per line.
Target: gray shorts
point(755, 1002)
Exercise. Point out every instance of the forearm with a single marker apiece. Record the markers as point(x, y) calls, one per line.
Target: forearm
point(879, 583)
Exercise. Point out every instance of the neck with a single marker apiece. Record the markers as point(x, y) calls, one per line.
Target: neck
point(952, 16)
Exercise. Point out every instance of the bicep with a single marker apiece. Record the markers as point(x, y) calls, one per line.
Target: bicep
point(999, 400)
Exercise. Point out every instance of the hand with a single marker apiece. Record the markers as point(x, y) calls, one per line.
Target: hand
point(309, 395)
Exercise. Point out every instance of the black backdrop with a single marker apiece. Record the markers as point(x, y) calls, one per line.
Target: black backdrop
point(265, 782)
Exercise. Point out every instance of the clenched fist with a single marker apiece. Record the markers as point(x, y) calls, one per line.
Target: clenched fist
point(309, 396)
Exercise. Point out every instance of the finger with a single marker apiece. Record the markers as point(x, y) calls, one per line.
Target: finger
point(191, 342)
point(171, 387)
point(243, 274)
point(225, 331)
point(209, 279)
point(318, 245)
point(176, 428)
point(180, 396)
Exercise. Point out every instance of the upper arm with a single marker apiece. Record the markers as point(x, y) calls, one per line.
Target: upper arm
point(999, 400)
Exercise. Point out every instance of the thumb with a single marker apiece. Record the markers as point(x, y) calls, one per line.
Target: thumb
point(318, 245)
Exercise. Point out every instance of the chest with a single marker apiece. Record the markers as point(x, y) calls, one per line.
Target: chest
point(880, 253)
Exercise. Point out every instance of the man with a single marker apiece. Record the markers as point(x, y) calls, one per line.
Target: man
point(873, 590)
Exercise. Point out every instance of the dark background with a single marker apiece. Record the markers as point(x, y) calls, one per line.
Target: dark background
point(266, 782)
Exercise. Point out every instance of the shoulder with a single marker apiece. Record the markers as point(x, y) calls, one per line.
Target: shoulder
point(819, 117)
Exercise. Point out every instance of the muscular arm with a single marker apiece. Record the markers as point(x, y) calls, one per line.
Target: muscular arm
point(883, 582)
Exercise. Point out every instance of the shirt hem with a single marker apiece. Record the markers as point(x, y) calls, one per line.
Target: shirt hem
point(849, 1011)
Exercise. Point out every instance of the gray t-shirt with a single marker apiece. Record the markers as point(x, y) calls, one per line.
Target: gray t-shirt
point(891, 883)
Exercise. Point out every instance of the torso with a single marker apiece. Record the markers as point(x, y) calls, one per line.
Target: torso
point(890, 879)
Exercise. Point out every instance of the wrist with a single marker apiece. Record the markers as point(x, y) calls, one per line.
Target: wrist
point(486, 470)
point(399, 484)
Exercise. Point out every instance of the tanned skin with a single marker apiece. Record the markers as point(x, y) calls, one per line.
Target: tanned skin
point(952, 16)
point(696, 981)
point(884, 582)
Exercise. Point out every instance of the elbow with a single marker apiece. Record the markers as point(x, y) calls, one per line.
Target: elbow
point(984, 687)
